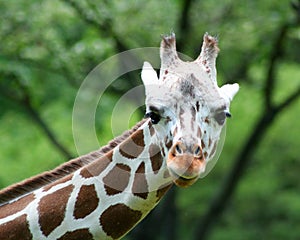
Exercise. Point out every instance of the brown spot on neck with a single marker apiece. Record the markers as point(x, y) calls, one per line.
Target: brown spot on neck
point(16, 229)
point(155, 157)
point(140, 184)
point(52, 209)
point(117, 179)
point(83, 234)
point(119, 219)
point(151, 129)
point(97, 167)
point(87, 201)
point(133, 146)
point(14, 207)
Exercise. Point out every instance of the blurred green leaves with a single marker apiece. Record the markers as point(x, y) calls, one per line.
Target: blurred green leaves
point(48, 47)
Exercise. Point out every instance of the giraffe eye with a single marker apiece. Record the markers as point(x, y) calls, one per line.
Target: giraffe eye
point(220, 117)
point(155, 117)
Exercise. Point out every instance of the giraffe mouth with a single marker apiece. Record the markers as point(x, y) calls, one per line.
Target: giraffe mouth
point(182, 181)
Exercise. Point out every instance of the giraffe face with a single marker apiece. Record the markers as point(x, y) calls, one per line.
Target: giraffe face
point(187, 109)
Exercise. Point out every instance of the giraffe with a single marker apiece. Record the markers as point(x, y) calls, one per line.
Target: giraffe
point(104, 194)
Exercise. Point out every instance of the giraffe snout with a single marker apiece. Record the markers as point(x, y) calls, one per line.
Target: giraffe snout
point(185, 163)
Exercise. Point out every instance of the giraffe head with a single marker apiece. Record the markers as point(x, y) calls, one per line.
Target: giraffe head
point(187, 108)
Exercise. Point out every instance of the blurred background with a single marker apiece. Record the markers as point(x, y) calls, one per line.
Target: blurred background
point(48, 47)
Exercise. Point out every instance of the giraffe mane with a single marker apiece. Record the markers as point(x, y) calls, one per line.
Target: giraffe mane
point(27, 186)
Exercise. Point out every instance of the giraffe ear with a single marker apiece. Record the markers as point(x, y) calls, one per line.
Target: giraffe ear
point(149, 75)
point(228, 91)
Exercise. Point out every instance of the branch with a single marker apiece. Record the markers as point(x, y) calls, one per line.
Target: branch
point(104, 26)
point(41, 66)
point(26, 101)
point(169, 231)
point(296, 7)
point(84, 15)
point(241, 162)
point(232, 179)
point(239, 73)
point(289, 100)
point(34, 114)
point(163, 218)
point(184, 22)
point(276, 52)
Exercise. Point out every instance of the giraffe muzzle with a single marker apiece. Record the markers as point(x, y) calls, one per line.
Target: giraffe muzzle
point(185, 164)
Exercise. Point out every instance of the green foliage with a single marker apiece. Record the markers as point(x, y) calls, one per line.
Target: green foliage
point(48, 47)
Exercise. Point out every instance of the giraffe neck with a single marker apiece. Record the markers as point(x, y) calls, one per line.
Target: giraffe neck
point(101, 200)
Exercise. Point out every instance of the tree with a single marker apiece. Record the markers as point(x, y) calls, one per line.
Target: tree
point(47, 48)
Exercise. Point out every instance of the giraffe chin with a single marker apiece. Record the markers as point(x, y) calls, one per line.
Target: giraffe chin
point(182, 181)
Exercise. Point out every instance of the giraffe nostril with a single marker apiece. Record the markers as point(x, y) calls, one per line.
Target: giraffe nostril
point(197, 151)
point(178, 149)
